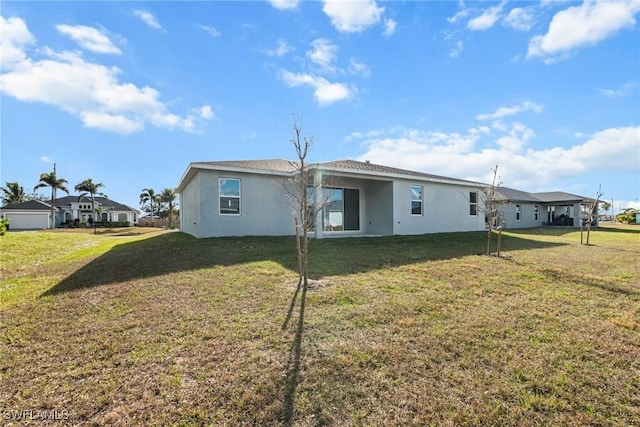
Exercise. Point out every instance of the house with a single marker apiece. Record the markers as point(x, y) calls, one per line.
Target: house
point(236, 198)
point(524, 210)
point(36, 214)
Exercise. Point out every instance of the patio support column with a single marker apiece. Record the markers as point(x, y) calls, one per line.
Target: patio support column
point(317, 203)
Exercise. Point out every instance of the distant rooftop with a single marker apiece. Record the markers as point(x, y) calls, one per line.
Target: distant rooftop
point(514, 195)
point(35, 205)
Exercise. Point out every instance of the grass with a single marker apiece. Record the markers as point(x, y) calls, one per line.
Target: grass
point(164, 329)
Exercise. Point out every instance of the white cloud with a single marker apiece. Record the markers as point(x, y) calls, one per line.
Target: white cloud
point(389, 27)
point(211, 30)
point(285, 4)
point(323, 54)
point(515, 139)
point(458, 155)
point(509, 111)
point(618, 148)
point(462, 13)
point(587, 24)
point(148, 18)
point(111, 122)
point(487, 19)
point(622, 91)
point(356, 67)
point(282, 49)
point(352, 16)
point(520, 19)
point(89, 38)
point(93, 92)
point(631, 204)
point(206, 112)
point(15, 37)
point(456, 49)
point(325, 93)
point(45, 159)
point(249, 136)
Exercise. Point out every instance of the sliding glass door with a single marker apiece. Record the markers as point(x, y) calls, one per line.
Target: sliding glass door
point(341, 210)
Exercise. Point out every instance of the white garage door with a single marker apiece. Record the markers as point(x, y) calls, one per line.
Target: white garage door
point(33, 221)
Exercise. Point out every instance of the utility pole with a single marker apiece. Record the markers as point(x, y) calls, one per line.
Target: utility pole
point(613, 211)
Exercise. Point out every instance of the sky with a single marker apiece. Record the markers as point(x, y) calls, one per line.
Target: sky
point(129, 93)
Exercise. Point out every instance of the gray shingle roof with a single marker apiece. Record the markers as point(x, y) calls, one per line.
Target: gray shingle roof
point(282, 165)
point(513, 195)
point(29, 205)
point(387, 170)
point(108, 203)
point(287, 166)
point(276, 165)
point(559, 196)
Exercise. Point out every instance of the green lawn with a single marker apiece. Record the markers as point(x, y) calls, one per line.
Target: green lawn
point(159, 328)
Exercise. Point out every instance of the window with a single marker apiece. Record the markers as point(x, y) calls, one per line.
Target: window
point(229, 196)
point(517, 212)
point(473, 203)
point(536, 212)
point(416, 200)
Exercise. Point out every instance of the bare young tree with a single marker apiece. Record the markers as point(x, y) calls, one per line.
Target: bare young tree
point(301, 190)
point(591, 212)
point(493, 212)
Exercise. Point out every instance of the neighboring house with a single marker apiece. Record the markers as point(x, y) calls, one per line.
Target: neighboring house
point(236, 198)
point(36, 214)
point(523, 210)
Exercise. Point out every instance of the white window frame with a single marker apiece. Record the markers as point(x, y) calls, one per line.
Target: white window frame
point(421, 200)
point(473, 204)
point(220, 196)
point(536, 212)
point(518, 213)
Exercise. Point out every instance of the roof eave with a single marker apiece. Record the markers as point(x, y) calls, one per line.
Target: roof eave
point(360, 172)
point(188, 174)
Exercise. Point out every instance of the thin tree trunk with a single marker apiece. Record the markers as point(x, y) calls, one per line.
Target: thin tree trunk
point(53, 195)
point(305, 257)
point(299, 250)
point(499, 244)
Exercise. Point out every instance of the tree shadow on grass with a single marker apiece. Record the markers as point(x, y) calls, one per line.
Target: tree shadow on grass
point(568, 277)
point(178, 252)
point(293, 363)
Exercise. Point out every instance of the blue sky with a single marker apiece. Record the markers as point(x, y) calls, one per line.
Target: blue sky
point(130, 93)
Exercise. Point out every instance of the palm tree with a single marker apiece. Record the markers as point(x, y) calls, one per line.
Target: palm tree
point(149, 196)
point(168, 196)
point(13, 193)
point(88, 187)
point(51, 180)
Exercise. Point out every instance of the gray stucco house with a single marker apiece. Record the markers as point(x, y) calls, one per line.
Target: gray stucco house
point(524, 210)
point(241, 198)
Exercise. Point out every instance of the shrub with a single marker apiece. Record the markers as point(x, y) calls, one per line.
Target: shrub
point(4, 226)
point(628, 216)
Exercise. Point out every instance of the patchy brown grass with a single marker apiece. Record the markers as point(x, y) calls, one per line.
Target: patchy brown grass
point(164, 329)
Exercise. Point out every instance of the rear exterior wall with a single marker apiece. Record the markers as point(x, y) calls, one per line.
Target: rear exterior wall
point(264, 208)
